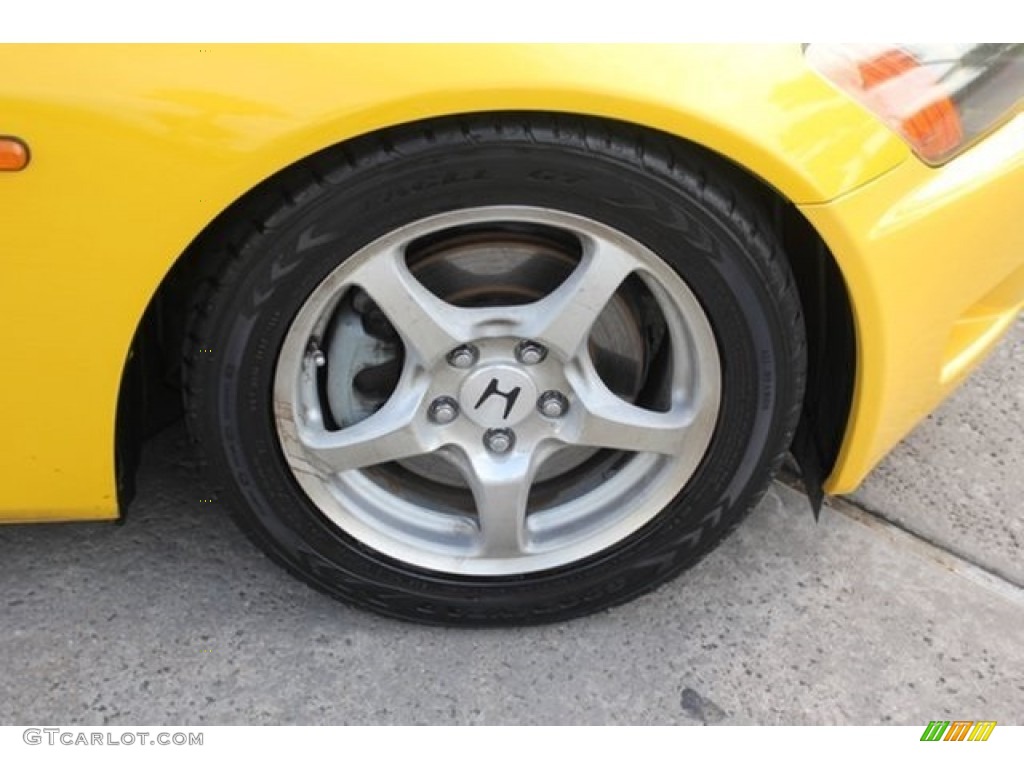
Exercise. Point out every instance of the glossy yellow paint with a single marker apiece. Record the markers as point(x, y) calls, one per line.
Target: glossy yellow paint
point(934, 259)
point(136, 148)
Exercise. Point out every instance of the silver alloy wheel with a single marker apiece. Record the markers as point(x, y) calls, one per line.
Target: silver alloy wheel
point(376, 476)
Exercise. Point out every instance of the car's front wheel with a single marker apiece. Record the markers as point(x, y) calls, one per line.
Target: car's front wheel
point(498, 370)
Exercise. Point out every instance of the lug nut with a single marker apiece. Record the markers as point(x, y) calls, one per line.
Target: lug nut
point(463, 357)
point(552, 404)
point(499, 440)
point(530, 352)
point(443, 410)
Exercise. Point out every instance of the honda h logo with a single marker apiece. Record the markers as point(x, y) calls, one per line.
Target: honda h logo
point(492, 389)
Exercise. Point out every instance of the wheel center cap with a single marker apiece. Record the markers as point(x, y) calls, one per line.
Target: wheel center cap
point(498, 396)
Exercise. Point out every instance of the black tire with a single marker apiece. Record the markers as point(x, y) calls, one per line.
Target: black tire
point(687, 207)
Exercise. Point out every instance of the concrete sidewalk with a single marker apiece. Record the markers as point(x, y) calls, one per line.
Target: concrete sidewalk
point(175, 617)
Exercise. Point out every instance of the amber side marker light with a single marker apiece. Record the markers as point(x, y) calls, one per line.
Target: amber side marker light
point(13, 154)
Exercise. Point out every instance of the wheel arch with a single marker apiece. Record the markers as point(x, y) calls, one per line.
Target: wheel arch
point(149, 397)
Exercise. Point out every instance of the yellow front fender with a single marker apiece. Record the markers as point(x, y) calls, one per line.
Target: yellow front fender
point(135, 149)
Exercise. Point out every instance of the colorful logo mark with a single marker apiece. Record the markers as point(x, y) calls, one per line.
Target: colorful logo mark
point(958, 730)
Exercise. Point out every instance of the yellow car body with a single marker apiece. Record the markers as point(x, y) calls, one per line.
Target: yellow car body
point(135, 149)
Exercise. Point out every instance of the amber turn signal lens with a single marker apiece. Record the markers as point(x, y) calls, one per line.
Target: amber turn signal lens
point(940, 97)
point(934, 128)
point(13, 154)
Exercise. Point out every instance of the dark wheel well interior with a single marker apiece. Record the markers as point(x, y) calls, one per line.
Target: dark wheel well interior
point(151, 398)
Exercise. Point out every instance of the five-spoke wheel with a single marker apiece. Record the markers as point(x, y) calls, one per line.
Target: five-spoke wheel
point(499, 391)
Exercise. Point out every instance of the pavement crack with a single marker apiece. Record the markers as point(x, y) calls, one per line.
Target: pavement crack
point(931, 549)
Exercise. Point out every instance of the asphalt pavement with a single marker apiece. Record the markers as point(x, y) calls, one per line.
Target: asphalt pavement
point(904, 604)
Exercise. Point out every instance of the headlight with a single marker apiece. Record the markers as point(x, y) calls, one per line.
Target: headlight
point(938, 97)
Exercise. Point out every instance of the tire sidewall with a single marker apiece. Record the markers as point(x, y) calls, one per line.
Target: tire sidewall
point(711, 248)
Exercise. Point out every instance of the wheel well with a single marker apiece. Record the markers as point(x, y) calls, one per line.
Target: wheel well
point(831, 348)
point(151, 398)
